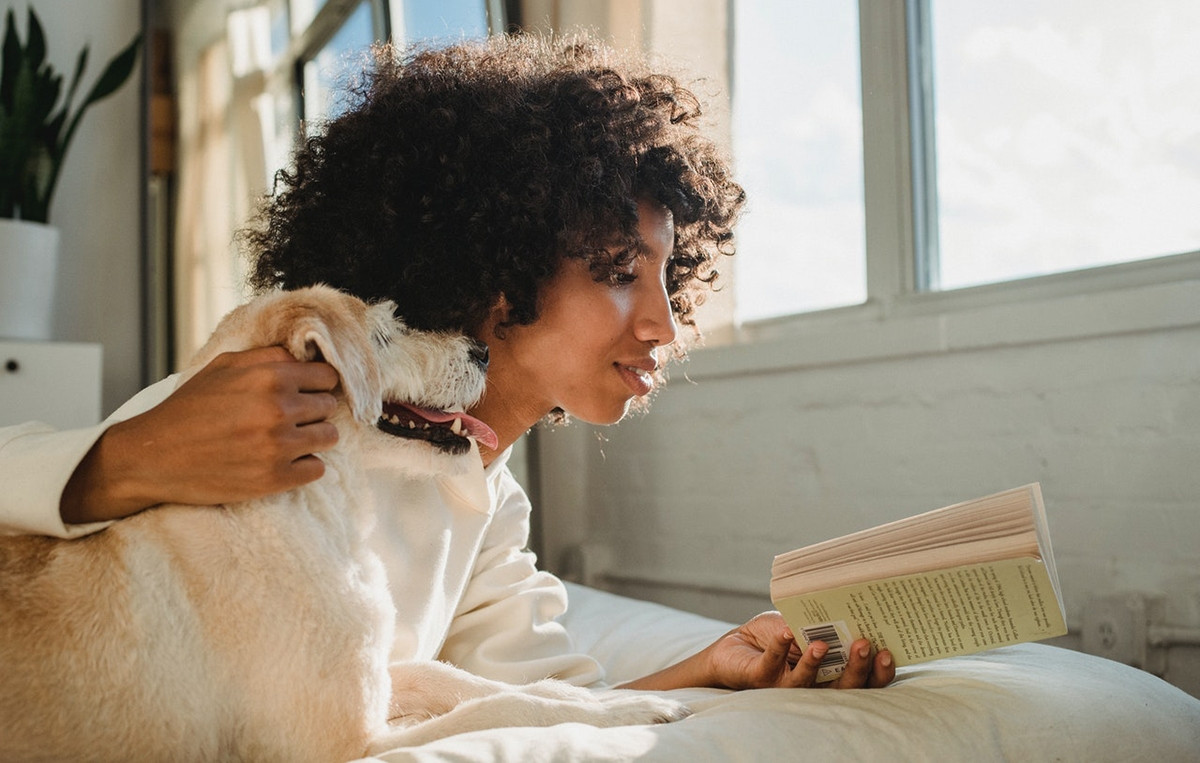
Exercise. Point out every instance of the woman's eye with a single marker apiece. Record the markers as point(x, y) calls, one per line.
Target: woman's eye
point(624, 273)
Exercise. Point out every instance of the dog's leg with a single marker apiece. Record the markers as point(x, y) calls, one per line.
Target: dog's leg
point(437, 700)
point(422, 690)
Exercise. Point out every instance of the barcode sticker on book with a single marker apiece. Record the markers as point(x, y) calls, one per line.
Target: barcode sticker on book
point(837, 637)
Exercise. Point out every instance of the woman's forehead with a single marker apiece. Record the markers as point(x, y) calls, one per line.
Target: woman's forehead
point(656, 230)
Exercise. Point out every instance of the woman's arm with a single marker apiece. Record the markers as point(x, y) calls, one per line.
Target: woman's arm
point(505, 625)
point(763, 653)
point(248, 424)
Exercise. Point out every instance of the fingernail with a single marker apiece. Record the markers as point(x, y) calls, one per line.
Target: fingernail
point(819, 649)
point(864, 651)
point(886, 660)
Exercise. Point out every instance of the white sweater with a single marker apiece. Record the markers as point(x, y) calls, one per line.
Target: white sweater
point(465, 588)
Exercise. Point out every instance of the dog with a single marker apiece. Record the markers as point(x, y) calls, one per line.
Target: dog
point(262, 630)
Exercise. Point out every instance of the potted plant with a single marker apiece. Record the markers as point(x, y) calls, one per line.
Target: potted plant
point(35, 133)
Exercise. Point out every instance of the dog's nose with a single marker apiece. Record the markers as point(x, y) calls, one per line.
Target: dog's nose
point(479, 353)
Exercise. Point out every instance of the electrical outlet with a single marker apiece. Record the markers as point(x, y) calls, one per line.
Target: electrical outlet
point(1117, 627)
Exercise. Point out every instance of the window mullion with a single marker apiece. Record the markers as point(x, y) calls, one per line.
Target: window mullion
point(888, 165)
point(926, 270)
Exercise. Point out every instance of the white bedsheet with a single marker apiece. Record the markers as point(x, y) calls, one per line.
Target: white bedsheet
point(1023, 703)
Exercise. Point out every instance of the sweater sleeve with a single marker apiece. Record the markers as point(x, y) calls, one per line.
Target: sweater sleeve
point(505, 626)
point(36, 461)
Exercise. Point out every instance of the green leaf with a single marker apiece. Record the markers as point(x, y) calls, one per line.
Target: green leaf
point(80, 65)
point(11, 61)
point(49, 85)
point(35, 51)
point(35, 196)
point(25, 98)
point(53, 128)
point(115, 74)
point(11, 157)
point(34, 132)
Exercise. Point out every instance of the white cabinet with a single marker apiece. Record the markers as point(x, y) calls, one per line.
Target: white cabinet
point(55, 382)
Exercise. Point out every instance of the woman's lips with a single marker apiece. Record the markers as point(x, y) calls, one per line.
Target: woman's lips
point(639, 380)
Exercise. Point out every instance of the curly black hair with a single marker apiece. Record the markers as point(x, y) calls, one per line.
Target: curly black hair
point(463, 174)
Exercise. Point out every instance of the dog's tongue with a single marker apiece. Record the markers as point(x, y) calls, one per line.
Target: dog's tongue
point(472, 426)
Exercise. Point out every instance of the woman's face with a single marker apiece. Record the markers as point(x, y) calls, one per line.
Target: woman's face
point(595, 344)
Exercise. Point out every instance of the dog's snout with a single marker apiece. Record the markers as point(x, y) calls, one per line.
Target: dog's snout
point(479, 353)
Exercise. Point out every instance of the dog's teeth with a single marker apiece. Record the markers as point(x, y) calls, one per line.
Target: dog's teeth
point(426, 426)
point(394, 419)
point(412, 424)
point(456, 427)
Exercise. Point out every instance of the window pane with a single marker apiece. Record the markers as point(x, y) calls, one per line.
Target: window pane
point(303, 12)
point(279, 28)
point(326, 75)
point(1067, 134)
point(444, 21)
point(797, 144)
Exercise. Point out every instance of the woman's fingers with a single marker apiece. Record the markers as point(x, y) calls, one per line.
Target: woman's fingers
point(804, 673)
point(858, 666)
point(775, 653)
point(883, 670)
point(248, 424)
point(865, 670)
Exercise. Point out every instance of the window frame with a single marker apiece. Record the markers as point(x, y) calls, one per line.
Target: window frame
point(903, 314)
point(330, 19)
point(306, 44)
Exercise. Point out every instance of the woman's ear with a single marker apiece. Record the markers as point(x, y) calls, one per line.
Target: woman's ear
point(495, 322)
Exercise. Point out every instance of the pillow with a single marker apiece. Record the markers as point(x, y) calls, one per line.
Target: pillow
point(1026, 702)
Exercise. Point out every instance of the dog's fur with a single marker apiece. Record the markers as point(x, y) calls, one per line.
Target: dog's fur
point(261, 630)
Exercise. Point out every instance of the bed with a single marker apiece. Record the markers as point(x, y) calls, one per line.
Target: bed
point(1023, 703)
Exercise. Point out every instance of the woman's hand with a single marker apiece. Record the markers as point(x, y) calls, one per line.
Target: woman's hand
point(763, 654)
point(246, 425)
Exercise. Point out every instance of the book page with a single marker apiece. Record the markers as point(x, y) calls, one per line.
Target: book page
point(959, 610)
point(1007, 524)
point(970, 552)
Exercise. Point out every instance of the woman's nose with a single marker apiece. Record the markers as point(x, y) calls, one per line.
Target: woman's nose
point(656, 320)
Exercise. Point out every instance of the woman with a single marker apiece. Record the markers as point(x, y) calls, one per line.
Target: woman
point(556, 202)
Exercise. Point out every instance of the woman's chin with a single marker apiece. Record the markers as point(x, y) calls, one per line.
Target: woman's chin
point(605, 417)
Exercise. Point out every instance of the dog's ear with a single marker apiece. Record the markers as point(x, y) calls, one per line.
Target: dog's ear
point(311, 323)
point(342, 338)
point(237, 330)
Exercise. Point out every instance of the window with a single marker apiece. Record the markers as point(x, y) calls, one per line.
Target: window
point(443, 20)
point(797, 139)
point(327, 73)
point(319, 44)
point(303, 12)
point(999, 141)
point(1064, 135)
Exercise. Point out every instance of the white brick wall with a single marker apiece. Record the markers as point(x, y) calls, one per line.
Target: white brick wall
point(730, 470)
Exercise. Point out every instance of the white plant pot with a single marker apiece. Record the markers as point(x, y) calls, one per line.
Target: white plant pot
point(28, 270)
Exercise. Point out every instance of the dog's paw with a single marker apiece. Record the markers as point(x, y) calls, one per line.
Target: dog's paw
point(623, 708)
point(612, 707)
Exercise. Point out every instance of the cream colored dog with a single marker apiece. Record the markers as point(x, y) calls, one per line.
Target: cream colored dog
point(261, 631)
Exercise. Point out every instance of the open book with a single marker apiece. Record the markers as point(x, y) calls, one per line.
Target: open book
point(969, 577)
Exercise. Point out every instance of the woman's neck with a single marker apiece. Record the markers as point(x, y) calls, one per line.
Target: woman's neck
point(508, 419)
